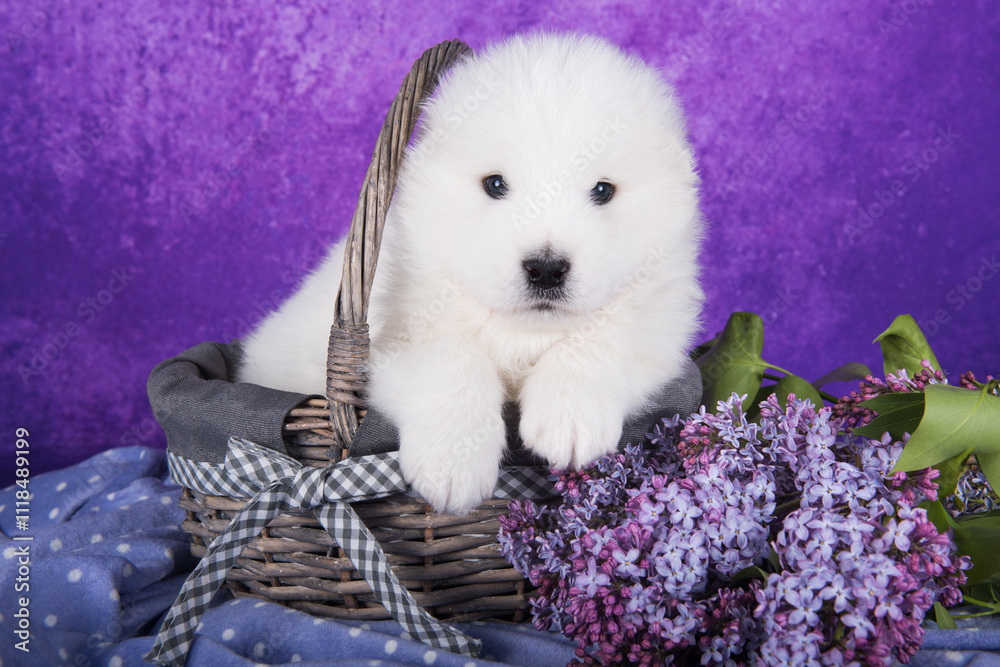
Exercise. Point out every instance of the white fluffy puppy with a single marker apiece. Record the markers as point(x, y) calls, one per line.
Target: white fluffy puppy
point(541, 247)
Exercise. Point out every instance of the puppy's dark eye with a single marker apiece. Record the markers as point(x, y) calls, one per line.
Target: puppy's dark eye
point(495, 186)
point(602, 193)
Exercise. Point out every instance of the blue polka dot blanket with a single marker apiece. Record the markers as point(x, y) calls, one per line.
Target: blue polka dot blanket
point(103, 557)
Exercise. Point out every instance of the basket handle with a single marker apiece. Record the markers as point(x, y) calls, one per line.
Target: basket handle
point(349, 343)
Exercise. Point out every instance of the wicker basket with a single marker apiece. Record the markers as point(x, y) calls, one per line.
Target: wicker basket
point(452, 565)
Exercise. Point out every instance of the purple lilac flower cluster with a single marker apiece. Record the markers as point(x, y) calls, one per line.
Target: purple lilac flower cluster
point(860, 564)
point(855, 415)
point(725, 541)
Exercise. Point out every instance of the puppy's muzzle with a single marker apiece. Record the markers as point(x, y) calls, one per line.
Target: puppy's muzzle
point(546, 276)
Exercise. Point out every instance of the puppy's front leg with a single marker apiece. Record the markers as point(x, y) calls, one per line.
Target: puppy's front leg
point(446, 399)
point(575, 399)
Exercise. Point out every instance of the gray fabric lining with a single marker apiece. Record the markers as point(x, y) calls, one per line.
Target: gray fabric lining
point(200, 409)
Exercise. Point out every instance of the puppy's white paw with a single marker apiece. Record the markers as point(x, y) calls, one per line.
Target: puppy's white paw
point(569, 427)
point(455, 472)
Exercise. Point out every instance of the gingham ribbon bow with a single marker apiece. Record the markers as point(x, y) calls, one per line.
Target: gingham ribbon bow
point(279, 483)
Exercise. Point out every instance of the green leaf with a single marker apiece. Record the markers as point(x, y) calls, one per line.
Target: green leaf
point(849, 372)
point(893, 401)
point(898, 413)
point(943, 618)
point(990, 465)
point(979, 539)
point(982, 595)
point(955, 419)
point(753, 411)
point(734, 365)
point(793, 384)
point(938, 515)
point(983, 591)
point(950, 471)
point(772, 558)
point(748, 573)
point(992, 608)
point(699, 351)
point(904, 346)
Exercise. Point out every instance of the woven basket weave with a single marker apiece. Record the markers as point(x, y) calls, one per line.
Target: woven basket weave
point(452, 565)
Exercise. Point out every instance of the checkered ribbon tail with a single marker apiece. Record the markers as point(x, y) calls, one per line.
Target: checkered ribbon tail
point(281, 484)
point(276, 483)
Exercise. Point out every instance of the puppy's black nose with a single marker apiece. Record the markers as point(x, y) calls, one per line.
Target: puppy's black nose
point(546, 271)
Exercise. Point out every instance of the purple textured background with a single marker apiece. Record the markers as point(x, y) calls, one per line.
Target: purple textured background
point(115, 115)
